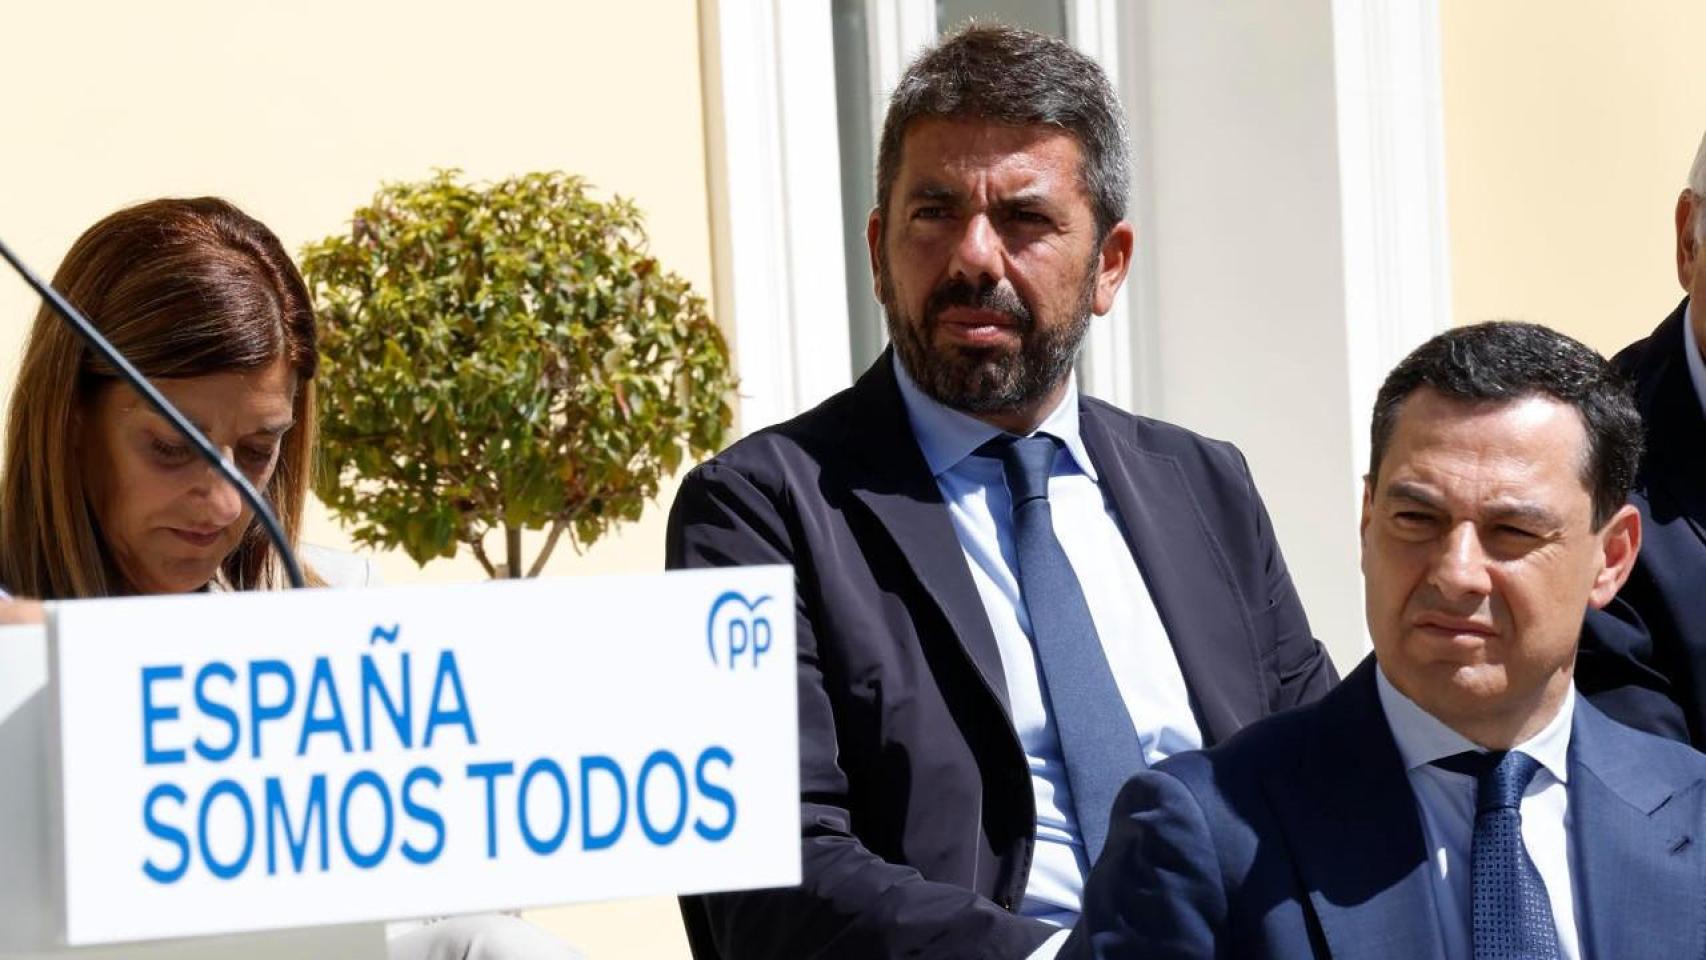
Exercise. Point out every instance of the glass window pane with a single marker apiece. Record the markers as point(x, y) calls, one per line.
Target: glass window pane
point(854, 90)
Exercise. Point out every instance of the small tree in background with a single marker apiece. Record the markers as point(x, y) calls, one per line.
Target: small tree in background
point(504, 355)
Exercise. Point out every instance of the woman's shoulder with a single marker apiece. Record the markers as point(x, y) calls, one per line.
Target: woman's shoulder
point(339, 568)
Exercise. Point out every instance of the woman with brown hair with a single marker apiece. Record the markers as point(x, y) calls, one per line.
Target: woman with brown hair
point(98, 495)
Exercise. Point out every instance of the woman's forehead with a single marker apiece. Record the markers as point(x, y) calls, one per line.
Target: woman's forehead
point(240, 401)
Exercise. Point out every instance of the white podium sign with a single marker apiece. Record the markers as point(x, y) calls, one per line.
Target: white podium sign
point(251, 761)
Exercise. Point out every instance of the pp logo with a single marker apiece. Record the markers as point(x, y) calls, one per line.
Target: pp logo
point(737, 629)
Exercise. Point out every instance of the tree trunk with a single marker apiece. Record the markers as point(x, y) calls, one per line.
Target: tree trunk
point(512, 553)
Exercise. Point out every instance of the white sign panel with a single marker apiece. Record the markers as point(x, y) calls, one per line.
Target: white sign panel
point(246, 761)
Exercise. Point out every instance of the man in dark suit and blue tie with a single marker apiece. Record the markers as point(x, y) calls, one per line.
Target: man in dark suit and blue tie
point(1644, 656)
point(1010, 597)
point(1454, 798)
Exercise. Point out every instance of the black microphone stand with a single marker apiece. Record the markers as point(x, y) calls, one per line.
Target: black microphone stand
point(140, 384)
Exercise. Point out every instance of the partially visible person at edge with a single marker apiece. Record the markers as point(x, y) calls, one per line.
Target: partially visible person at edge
point(100, 497)
point(1643, 658)
point(1010, 597)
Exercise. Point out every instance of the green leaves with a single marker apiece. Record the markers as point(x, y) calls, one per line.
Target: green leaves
point(505, 354)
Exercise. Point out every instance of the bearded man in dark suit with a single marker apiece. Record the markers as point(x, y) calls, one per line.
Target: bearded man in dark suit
point(1010, 596)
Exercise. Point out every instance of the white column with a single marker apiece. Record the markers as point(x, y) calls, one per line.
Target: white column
point(775, 193)
point(1392, 184)
point(1114, 362)
point(1295, 218)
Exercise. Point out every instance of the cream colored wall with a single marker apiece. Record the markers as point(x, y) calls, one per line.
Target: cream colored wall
point(297, 111)
point(1569, 129)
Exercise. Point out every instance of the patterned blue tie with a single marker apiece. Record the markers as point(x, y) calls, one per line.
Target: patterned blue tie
point(1097, 740)
point(1510, 914)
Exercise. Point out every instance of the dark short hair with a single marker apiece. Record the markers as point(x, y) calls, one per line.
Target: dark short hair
point(1502, 361)
point(1016, 77)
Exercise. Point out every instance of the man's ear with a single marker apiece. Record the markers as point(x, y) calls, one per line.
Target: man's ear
point(1687, 247)
point(1112, 264)
point(873, 244)
point(1367, 518)
point(1620, 542)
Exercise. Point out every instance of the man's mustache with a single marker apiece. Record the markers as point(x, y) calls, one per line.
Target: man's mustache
point(994, 297)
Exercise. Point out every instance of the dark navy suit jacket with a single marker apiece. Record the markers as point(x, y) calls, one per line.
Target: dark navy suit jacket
point(1300, 838)
point(1643, 658)
point(916, 808)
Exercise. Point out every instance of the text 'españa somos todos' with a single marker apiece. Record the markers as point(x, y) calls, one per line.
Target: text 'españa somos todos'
point(384, 702)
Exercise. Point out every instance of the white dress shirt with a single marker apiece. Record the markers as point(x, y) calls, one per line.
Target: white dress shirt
point(1447, 804)
point(1142, 660)
point(1692, 350)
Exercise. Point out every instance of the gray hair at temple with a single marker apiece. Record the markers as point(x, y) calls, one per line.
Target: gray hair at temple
point(1015, 77)
point(1697, 186)
point(1500, 362)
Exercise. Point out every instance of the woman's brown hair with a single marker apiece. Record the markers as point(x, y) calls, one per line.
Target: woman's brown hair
point(183, 288)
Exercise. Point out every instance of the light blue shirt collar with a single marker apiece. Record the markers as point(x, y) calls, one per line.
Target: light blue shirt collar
point(1423, 738)
point(1691, 349)
point(947, 436)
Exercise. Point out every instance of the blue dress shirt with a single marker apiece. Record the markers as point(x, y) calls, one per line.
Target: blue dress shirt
point(1446, 802)
point(1135, 641)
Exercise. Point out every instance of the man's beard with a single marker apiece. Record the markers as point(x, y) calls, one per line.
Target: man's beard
point(986, 380)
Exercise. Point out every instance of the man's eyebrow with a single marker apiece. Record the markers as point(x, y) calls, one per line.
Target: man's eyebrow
point(935, 192)
point(277, 429)
point(1032, 204)
point(1502, 511)
point(1027, 197)
point(1523, 513)
point(1414, 493)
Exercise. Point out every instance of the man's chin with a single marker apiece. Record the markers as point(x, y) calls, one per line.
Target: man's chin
point(1474, 682)
point(1466, 691)
point(964, 357)
point(985, 390)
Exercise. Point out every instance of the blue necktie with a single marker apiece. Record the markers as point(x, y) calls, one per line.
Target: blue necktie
point(1510, 914)
point(1097, 740)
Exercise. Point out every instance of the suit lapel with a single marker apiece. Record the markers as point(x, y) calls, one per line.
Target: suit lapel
point(892, 480)
point(1186, 575)
point(1354, 833)
point(1640, 853)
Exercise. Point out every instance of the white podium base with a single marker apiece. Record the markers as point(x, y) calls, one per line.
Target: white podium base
point(357, 941)
point(29, 895)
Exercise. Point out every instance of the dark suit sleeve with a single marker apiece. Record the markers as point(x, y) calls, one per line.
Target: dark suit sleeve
point(1156, 891)
point(1636, 660)
point(1298, 661)
point(1616, 668)
point(850, 903)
